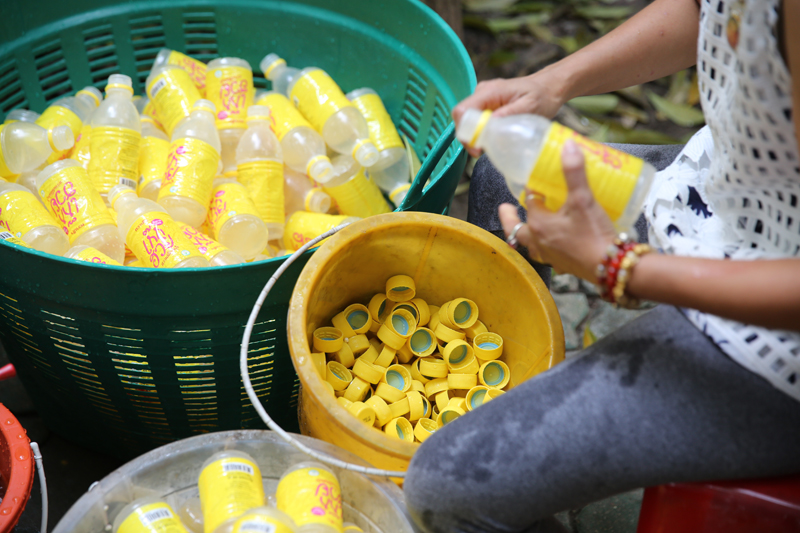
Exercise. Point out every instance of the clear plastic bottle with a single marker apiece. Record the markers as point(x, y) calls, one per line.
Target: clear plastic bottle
point(303, 226)
point(382, 131)
point(196, 69)
point(148, 515)
point(326, 107)
point(526, 149)
point(21, 115)
point(229, 86)
point(259, 161)
point(303, 148)
point(116, 138)
point(230, 483)
point(192, 163)
point(152, 158)
point(24, 216)
point(302, 194)
point(259, 520)
point(82, 151)
point(298, 495)
point(191, 514)
point(25, 146)
point(81, 252)
point(72, 111)
point(151, 234)
point(276, 71)
point(28, 180)
point(355, 194)
point(229, 139)
point(71, 198)
point(172, 93)
point(216, 253)
point(234, 219)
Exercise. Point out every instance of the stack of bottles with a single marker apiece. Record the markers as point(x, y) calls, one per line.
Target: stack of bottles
point(231, 499)
point(408, 367)
point(201, 170)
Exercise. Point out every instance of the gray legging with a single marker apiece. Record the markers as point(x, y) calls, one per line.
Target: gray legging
point(654, 402)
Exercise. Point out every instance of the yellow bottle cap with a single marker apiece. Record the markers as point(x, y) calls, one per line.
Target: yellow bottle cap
point(318, 358)
point(411, 308)
point(435, 412)
point(422, 342)
point(329, 387)
point(433, 321)
point(431, 367)
point(382, 412)
point(359, 344)
point(461, 313)
point(358, 317)
point(380, 307)
point(371, 354)
point(363, 412)
point(417, 385)
point(357, 390)
point(435, 386)
point(400, 288)
point(494, 374)
point(488, 346)
point(416, 405)
point(474, 329)
point(447, 415)
point(459, 402)
point(338, 376)
point(446, 334)
point(441, 399)
point(385, 357)
point(340, 322)
point(328, 340)
point(397, 328)
point(349, 527)
point(416, 375)
point(476, 397)
point(424, 428)
point(461, 381)
point(345, 356)
point(398, 377)
point(367, 371)
point(374, 326)
point(344, 402)
point(457, 353)
point(491, 394)
point(424, 311)
point(399, 408)
point(400, 428)
point(375, 343)
point(389, 393)
point(404, 354)
point(427, 410)
point(390, 338)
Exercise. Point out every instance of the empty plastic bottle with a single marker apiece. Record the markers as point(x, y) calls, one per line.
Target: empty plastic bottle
point(234, 219)
point(148, 515)
point(264, 519)
point(71, 198)
point(326, 107)
point(229, 85)
point(25, 146)
point(172, 93)
point(355, 194)
point(21, 115)
point(81, 252)
point(259, 161)
point(22, 215)
point(151, 234)
point(192, 163)
point(145, 106)
point(72, 111)
point(276, 71)
point(302, 194)
point(229, 139)
point(196, 69)
point(10, 238)
point(526, 149)
point(303, 148)
point(298, 495)
point(303, 226)
point(152, 159)
point(229, 484)
point(82, 151)
point(214, 252)
point(116, 138)
point(28, 180)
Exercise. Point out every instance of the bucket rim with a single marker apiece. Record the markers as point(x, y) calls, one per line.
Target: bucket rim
point(15, 448)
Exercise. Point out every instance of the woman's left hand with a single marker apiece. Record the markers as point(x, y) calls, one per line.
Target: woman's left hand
point(575, 238)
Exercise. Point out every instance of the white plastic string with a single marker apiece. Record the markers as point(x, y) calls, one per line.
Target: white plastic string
point(37, 457)
point(248, 386)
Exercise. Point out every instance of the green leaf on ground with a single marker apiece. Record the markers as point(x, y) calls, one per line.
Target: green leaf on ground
point(500, 25)
point(542, 32)
point(487, 5)
point(680, 114)
point(604, 12)
point(600, 104)
point(501, 57)
point(532, 7)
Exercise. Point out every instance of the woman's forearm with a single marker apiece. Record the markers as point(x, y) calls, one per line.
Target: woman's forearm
point(762, 292)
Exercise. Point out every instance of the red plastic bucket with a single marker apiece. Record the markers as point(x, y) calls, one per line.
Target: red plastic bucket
point(16, 470)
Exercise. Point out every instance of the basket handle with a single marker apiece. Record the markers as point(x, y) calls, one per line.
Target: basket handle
point(436, 153)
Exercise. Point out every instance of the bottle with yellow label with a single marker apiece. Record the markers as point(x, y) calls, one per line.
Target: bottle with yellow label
point(276, 71)
point(302, 194)
point(303, 226)
point(71, 198)
point(22, 215)
point(172, 93)
point(72, 111)
point(259, 520)
point(526, 149)
point(234, 219)
point(81, 252)
point(329, 111)
point(196, 69)
point(116, 138)
point(229, 85)
point(82, 151)
point(355, 194)
point(259, 159)
point(25, 146)
point(230, 484)
point(148, 515)
point(21, 115)
point(152, 158)
point(8, 237)
point(216, 253)
point(309, 492)
point(153, 236)
point(192, 163)
point(303, 148)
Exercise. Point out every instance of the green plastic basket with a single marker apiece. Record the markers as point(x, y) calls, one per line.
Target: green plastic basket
point(124, 360)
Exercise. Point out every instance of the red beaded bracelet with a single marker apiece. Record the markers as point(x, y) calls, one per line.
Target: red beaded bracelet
point(614, 270)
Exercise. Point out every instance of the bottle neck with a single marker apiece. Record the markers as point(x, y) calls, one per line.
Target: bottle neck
point(119, 94)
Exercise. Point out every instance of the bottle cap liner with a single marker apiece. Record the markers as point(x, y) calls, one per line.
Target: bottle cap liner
point(476, 397)
point(400, 288)
point(494, 374)
point(390, 338)
point(422, 342)
point(358, 317)
point(488, 346)
point(459, 313)
point(402, 322)
point(457, 353)
point(328, 340)
point(338, 376)
point(400, 428)
point(410, 307)
point(357, 390)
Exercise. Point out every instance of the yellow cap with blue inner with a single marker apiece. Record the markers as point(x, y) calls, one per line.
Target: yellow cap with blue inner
point(338, 376)
point(398, 377)
point(488, 346)
point(458, 355)
point(400, 288)
point(430, 367)
point(417, 375)
point(446, 334)
point(389, 393)
point(357, 390)
point(399, 408)
point(344, 355)
point(494, 374)
point(380, 307)
point(328, 340)
point(382, 412)
point(401, 428)
point(424, 311)
point(386, 356)
point(424, 428)
point(359, 344)
point(476, 397)
point(462, 381)
point(367, 371)
point(459, 313)
point(474, 329)
point(422, 342)
point(416, 405)
point(435, 386)
point(448, 414)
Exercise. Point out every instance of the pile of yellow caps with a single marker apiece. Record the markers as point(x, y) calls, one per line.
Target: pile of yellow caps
point(408, 367)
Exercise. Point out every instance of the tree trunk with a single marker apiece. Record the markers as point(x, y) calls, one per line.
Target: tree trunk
point(450, 11)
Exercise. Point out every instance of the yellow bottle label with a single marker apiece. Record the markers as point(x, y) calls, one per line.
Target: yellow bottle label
point(81, 152)
point(382, 131)
point(92, 255)
point(5, 172)
point(196, 69)
point(157, 241)
point(256, 523)
point(151, 111)
point(359, 197)
point(318, 97)
point(303, 226)
point(55, 115)
point(229, 487)
point(152, 518)
point(612, 175)
point(20, 212)
point(284, 117)
point(311, 496)
point(8, 237)
point(152, 161)
point(72, 199)
point(115, 157)
point(264, 181)
point(173, 94)
point(191, 167)
point(227, 201)
point(231, 91)
point(204, 244)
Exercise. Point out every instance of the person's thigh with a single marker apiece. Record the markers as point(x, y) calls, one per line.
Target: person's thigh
point(652, 403)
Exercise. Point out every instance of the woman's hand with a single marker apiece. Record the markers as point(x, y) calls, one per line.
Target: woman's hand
point(575, 238)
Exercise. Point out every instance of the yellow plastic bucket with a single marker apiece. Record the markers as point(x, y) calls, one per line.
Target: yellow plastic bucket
point(448, 259)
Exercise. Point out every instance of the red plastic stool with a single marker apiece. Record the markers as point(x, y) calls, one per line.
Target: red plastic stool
point(744, 506)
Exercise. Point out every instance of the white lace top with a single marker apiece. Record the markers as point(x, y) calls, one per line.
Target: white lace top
point(733, 191)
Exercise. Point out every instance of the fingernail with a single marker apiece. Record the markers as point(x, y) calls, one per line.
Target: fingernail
point(571, 153)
